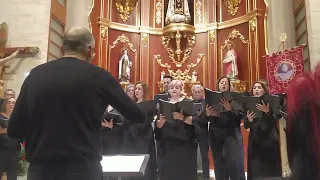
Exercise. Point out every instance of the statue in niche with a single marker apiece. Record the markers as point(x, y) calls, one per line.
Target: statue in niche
point(125, 65)
point(194, 76)
point(231, 64)
point(178, 12)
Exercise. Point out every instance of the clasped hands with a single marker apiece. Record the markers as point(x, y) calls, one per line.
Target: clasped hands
point(262, 107)
point(107, 124)
point(176, 115)
point(210, 111)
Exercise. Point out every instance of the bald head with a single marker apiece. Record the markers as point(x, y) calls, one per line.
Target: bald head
point(78, 41)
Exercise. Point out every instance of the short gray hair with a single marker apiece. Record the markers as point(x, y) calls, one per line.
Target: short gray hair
point(195, 87)
point(77, 40)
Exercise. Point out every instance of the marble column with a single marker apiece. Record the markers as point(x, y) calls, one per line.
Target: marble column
point(313, 19)
point(77, 13)
point(280, 20)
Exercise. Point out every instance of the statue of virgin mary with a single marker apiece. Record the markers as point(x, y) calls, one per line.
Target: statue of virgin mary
point(178, 12)
point(124, 66)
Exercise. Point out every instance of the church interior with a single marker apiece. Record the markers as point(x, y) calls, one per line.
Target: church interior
point(194, 41)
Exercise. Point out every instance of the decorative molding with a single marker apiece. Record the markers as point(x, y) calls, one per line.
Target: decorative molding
point(212, 36)
point(158, 14)
point(179, 74)
point(253, 25)
point(233, 6)
point(123, 39)
point(202, 29)
point(104, 32)
point(235, 34)
point(198, 13)
point(125, 8)
point(144, 39)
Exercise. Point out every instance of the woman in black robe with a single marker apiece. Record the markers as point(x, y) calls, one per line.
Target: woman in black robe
point(223, 138)
point(263, 146)
point(140, 137)
point(178, 141)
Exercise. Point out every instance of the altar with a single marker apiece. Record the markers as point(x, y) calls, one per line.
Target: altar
point(190, 40)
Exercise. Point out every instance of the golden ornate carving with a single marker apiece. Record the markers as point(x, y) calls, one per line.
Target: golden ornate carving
point(125, 8)
point(144, 39)
point(104, 32)
point(178, 32)
point(198, 13)
point(234, 35)
point(159, 12)
point(283, 37)
point(179, 74)
point(159, 31)
point(123, 39)
point(212, 36)
point(233, 6)
point(253, 25)
point(240, 86)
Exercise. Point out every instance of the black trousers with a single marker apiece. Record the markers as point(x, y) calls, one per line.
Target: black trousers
point(9, 161)
point(159, 157)
point(241, 154)
point(79, 171)
point(225, 155)
point(204, 149)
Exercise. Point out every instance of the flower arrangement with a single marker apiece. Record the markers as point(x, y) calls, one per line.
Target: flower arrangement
point(22, 160)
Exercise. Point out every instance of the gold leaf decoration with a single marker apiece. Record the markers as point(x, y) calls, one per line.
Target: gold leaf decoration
point(234, 35)
point(125, 8)
point(233, 6)
point(123, 39)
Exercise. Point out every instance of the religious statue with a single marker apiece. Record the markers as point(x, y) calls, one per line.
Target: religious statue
point(230, 64)
point(194, 76)
point(178, 12)
point(125, 65)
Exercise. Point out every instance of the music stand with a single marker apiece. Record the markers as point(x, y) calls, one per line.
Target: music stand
point(124, 165)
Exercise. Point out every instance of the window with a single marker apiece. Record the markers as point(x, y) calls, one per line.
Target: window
point(55, 39)
point(56, 28)
point(302, 31)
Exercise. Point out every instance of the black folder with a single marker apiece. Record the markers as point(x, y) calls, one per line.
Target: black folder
point(149, 106)
point(186, 106)
point(213, 98)
point(4, 123)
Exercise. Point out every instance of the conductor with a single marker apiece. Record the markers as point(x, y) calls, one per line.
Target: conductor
point(59, 111)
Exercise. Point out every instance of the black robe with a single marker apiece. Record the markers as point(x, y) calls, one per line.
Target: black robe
point(112, 138)
point(139, 139)
point(179, 145)
point(264, 151)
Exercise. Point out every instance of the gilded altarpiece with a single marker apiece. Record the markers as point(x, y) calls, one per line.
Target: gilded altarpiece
point(140, 27)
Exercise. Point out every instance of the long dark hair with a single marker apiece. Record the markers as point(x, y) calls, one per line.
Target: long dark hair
point(144, 88)
point(218, 82)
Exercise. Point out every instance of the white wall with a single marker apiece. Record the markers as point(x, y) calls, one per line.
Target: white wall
point(28, 22)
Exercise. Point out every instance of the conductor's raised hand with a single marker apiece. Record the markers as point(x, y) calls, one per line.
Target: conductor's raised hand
point(161, 121)
point(226, 104)
point(107, 124)
point(263, 107)
point(251, 116)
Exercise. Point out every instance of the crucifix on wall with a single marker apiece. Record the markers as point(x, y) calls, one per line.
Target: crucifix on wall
point(9, 53)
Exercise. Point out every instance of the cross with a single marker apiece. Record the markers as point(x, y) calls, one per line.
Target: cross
point(9, 53)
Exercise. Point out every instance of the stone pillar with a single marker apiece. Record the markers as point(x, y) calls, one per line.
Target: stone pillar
point(28, 23)
point(280, 20)
point(77, 13)
point(313, 19)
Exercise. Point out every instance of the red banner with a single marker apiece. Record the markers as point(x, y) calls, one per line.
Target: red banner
point(282, 67)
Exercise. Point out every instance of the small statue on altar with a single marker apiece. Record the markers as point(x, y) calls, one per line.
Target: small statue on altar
point(125, 65)
point(194, 76)
point(178, 12)
point(230, 64)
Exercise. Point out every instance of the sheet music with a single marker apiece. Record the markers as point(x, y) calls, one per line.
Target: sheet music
point(121, 163)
